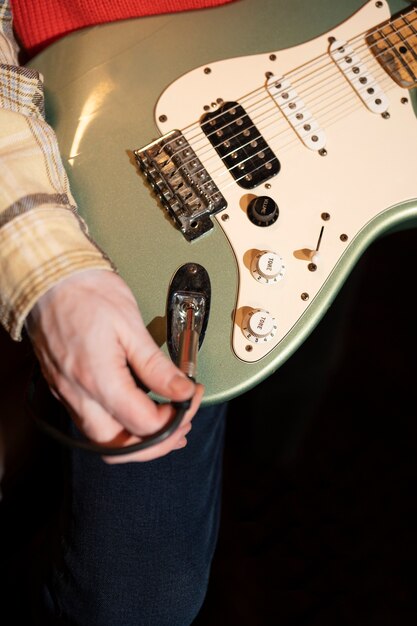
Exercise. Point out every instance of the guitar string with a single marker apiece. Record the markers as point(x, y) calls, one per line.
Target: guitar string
point(347, 87)
point(332, 66)
point(302, 80)
point(338, 75)
point(322, 109)
point(341, 112)
point(341, 107)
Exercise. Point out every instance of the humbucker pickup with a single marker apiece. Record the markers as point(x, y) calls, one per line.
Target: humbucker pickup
point(240, 145)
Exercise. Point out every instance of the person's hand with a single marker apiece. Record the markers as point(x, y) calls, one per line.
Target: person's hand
point(87, 332)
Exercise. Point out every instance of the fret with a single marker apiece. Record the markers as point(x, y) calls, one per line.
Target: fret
point(395, 47)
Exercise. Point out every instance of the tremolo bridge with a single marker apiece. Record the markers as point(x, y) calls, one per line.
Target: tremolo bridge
point(181, 182)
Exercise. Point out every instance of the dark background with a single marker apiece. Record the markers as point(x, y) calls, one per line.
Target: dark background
point(319, 503)
point(320, 516)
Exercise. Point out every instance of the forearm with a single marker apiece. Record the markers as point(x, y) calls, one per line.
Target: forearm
point(42, 237)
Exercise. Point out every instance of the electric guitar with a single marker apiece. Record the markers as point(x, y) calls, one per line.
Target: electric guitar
point(216, 137)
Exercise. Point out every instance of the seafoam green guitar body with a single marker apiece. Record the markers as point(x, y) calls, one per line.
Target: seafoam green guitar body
point(335, 178)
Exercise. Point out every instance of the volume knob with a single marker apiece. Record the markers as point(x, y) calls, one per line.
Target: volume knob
point(259, 325)
point(263, 211)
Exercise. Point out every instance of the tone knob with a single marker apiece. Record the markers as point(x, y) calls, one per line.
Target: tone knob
point(263, 211)
point(268, 267)
point(259, 325)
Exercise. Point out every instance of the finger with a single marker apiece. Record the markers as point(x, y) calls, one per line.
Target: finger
point(115, 418)
point(175, 441)
point(157, 371)
point(115, 391)
point(131, 406)
point(167, 411)
point(100, 427)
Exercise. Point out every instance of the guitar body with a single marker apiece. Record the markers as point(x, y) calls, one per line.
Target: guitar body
point(114, 89)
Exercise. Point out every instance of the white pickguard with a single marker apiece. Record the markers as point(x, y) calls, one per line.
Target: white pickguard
point(369, 167)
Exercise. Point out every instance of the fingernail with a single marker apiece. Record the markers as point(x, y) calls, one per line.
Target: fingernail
point(178, 382)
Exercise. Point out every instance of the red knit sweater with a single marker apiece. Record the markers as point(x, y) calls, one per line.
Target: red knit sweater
point(38, 23)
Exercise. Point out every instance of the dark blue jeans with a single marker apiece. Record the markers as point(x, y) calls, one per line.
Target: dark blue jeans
point(138, 539)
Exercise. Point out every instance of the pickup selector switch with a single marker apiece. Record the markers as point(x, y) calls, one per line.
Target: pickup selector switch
point(263, 211)
point(267, 267)
point(259, 326)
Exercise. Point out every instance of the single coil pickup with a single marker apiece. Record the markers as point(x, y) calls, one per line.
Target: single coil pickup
point(296, 112)
point(240, 145)
point(181, 182)
point(358, 75)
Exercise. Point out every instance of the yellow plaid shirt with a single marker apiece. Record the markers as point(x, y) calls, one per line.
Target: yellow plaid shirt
point(42, 237)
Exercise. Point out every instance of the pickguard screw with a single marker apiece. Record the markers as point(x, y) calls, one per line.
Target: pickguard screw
point(304, 296)
point(248, 348)
point(379, 5)
point(325, 216)
point(404, 100)
point(323, 152)
point(163, 118)
point(343, 237)
point(312, 267)
point(207, 70)
point(272, 57)
point(225, 217)
point(386, 115)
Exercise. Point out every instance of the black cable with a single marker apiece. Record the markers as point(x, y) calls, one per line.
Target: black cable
point(91, 446)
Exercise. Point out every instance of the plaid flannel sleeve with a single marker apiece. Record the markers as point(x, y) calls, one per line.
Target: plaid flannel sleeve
point(42, 237)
